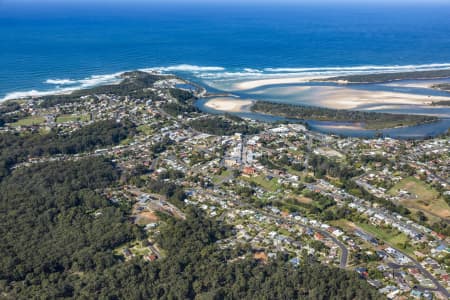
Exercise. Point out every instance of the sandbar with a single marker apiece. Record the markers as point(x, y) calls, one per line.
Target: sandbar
point(228, 104)
point(345, 98)
point(248, 85)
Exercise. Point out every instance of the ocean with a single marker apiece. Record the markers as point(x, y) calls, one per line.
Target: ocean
point(58, 47)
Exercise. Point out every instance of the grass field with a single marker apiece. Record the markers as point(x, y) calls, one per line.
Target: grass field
point(72, 118)
point(145, 129)
point(270, 185)
point(391, 236)
point(343, 224)
point(222, 176)
point(423, 197)
point(35, 120)
point(135, 247)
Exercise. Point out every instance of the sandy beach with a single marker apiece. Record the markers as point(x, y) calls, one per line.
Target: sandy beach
point(283, 90)
point(341, 97)
point(248, 85)
point(419, 85)
point(345, 98)
point(228, 104)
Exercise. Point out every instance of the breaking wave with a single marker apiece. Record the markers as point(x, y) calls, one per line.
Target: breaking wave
point(60, 81)
point(70, 86)
point(186, 68)
point(218, 76)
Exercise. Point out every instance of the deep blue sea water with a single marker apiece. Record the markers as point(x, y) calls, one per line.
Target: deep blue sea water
point(42, 44)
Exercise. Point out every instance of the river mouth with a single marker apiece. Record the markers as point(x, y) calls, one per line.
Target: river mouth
point(405, 97)
point(242, 108)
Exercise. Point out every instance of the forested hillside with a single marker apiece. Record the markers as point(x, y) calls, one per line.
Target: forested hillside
point(371, 120)
point(15, 147)
point(54, 226)
point(58, 233)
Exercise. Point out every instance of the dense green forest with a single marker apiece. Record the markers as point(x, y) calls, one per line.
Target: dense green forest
point(185, 103)
point(15, 147)
point(371, 120)
point(58, 233)
point(197, 268)
point(386, 77)
point(9, 112)
point(60, 248)
point(175, 109)
point(183, 96)
point(54, 225)
point(174, 193)
point(58, 230)
point(222, 126)
point(322, 165)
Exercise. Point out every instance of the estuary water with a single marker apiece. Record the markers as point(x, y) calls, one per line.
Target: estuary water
point(51, 47)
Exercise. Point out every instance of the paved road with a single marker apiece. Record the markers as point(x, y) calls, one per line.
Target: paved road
point(423, 166)
point(424, 271)
point(344, 250)
point(154, 250)
point(154, 164)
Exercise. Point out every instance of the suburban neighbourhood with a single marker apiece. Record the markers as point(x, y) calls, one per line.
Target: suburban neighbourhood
point(378, 207)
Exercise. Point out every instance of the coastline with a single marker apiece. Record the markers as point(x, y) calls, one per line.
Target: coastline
point(391, 77)
point(332, 98)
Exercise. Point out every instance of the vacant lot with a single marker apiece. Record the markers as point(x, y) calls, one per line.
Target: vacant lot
point(71, 118)
point(388, 235)
point(35, 120)
point(303, 199)
point(421, 197)
point(146, 217)
point(270, 185)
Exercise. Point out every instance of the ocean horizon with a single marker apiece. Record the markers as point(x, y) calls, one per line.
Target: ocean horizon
point(61, 48)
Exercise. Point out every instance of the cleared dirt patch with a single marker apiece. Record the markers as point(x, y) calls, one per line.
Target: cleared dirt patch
point(421, 197)
point(304, 200)
point(146, 217)
point(261, 256)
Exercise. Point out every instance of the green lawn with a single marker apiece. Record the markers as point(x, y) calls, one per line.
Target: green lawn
point(72, 118)
point(343, 224)
point(35, 120)
point(391, 236)
point(424, 197)
point(270, 185)
point(222, 176)
point(145, 129)
point(135, 247)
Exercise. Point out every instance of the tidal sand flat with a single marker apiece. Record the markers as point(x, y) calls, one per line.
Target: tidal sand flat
point(420, 84)
point(346, 98)
point(252, 84)
point(228, 104)
point(343, 97)
point(287, 91)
